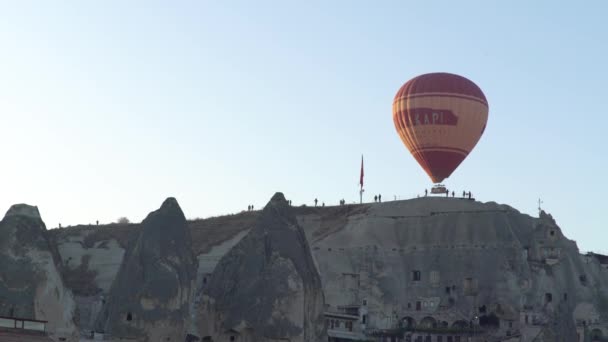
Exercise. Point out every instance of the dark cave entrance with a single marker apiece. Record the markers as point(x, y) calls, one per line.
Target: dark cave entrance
point(489, 321)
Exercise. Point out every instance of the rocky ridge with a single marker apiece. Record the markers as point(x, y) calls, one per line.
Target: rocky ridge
point(393, 269)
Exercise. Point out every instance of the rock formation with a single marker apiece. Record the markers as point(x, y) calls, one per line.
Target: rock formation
point(428, 267)
point(31, 286)
point(438, 263)
point(151, 295)
point(267, 287)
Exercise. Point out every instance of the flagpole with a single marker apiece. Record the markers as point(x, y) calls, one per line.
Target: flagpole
point(361, 183)
point(361, 196)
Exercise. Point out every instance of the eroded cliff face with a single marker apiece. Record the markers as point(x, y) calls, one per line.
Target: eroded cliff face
point(151, 295)
point(434, 262)
point(92, 255)
point(429, 262)
point(31, 285)
point(267, 286)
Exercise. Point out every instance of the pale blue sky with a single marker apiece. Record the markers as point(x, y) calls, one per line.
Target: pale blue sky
point(108, 107)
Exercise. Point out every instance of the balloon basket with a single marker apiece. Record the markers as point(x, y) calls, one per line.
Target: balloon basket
point(439, 189)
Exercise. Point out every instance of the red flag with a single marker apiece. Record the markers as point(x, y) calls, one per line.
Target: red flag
point(361, 178)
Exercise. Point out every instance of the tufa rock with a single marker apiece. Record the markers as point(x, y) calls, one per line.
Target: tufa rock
point(267, 286)
point(31, 286)
point(151, 293)
point(23, 210)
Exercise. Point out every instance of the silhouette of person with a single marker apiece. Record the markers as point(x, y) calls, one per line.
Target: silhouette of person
point(323, 204)
point(464, 194)
point(376, 198)
point(426, 192)
point(379, 198)
point(447, 193)
point(469, 195)
point(453, 194)
point(252, 207)
point(316, 202)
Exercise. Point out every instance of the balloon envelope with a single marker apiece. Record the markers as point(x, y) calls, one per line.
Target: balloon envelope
point(440, 118)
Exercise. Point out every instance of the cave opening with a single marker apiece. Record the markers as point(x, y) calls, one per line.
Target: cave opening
point(489, 321)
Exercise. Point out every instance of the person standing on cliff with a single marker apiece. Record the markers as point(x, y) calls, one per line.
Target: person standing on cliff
point(316, 201)
point(380, 198)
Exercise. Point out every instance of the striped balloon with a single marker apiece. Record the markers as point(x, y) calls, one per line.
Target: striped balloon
point(440, 118)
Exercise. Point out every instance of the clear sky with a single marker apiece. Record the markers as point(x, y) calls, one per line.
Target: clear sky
point(108, 107)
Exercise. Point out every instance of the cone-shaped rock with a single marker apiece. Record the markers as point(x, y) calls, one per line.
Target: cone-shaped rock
point(268, 282)
point(31, 286)
point(151, 293)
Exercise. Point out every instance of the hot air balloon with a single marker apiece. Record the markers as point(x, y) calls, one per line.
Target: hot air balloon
point(440, 118)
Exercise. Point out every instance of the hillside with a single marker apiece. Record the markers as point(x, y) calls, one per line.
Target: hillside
point(430, 266)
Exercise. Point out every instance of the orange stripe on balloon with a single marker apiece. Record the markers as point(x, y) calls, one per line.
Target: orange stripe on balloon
point(459, 96)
